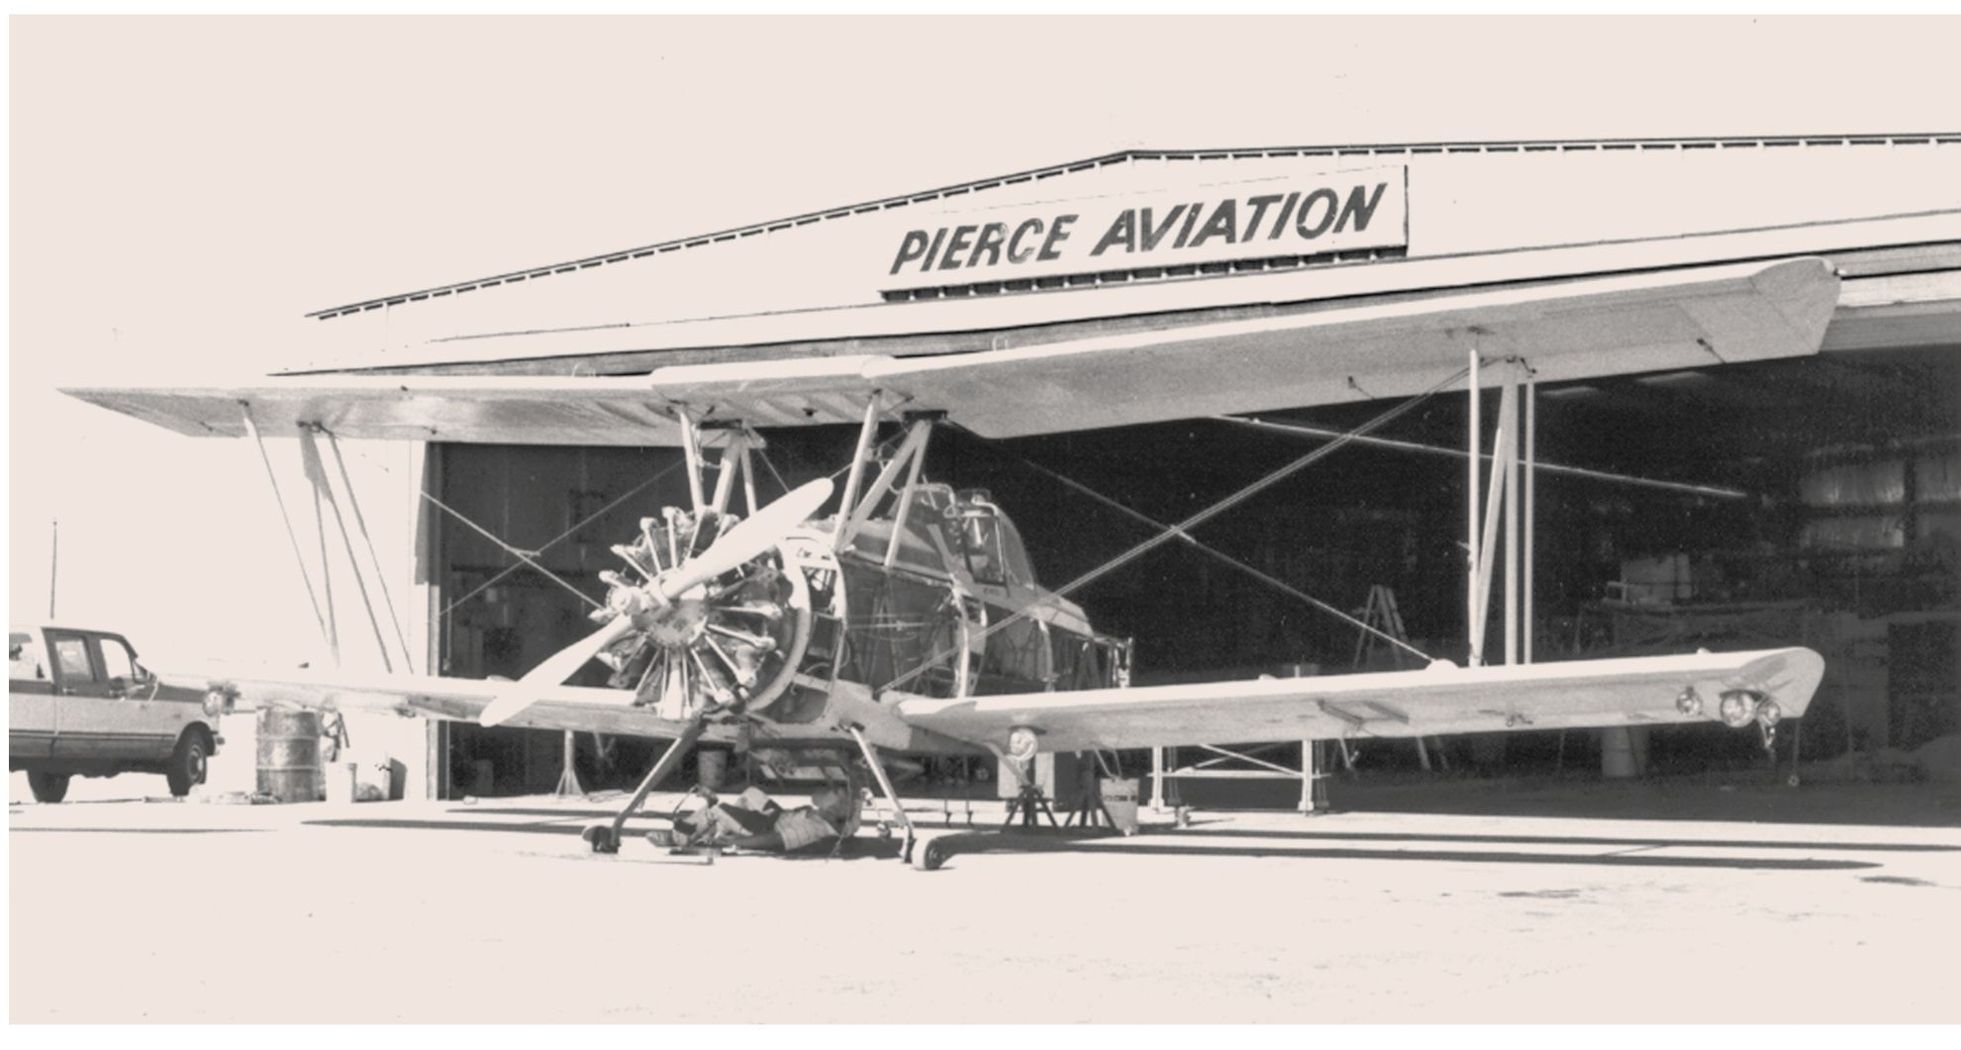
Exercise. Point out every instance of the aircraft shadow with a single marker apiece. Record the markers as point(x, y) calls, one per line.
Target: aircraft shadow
point(961, 842)
point(865, 847)
point(957, 845)
point(1752, 800)
point(145, 831)
point(1579, 840)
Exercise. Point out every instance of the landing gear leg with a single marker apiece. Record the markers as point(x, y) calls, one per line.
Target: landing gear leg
point(604, 837)
point(891, 796)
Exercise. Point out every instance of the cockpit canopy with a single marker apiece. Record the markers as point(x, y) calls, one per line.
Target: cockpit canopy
point(989, 542)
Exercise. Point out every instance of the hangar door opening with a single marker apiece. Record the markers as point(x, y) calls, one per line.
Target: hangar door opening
point(515, 584)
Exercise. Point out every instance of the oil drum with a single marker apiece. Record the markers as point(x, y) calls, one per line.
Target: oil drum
point(289, 756)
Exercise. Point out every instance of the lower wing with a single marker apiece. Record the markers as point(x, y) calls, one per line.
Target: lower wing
point(455, 699)
point(1654, 690)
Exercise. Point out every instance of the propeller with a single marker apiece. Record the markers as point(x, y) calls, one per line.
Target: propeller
point(747, 540)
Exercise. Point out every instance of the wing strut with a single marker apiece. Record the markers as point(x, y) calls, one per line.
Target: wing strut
point(313, 599)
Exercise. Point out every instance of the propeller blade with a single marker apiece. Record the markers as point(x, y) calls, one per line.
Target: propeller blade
point(749, 538)
point(554, 671)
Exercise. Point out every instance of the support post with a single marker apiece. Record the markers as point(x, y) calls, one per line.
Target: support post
point(857, 476)
point(906, 494)
point(691, 452)
point(729, 464)
point(1310, 771)
point(748, 465)
point(888, 476)
point(1504, 447)
point(1531, 514)
point(1473, 446)
point(568, 777)
point(1157, 779)
point(1511, 520)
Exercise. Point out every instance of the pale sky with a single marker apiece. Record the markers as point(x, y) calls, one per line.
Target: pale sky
point(183, 189)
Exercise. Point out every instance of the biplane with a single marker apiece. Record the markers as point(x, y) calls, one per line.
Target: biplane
point(770, 624)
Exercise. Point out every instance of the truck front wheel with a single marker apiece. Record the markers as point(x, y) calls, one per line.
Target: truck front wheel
point(188, 763)
point(48, 787)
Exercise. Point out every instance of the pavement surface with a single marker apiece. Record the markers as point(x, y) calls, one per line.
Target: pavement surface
point(1447, 901)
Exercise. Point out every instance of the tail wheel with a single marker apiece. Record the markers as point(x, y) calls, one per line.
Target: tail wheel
point(189, 763)
point(48, 787)
point(737, 642)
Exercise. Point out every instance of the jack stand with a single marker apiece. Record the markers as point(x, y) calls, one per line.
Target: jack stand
point(1089, 805)
point(885, 786)
point(568, 778)
point(1029, 803)
point(605, 837)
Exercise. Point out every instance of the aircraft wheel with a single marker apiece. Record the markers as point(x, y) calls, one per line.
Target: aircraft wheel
point(602, 838)
point(48, 787)
point(928, 856)
point(1792, 780)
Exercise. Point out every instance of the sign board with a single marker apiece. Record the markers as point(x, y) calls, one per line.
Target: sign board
point(1287, 216)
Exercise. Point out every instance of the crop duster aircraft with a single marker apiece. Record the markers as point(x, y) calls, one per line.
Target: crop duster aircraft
point(908, 621)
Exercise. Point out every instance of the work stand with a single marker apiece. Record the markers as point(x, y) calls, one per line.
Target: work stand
point(1030, 804)
point(568, 776)
point(1089, 812)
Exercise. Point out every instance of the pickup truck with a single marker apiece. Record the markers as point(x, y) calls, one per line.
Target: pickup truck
point(80, 703)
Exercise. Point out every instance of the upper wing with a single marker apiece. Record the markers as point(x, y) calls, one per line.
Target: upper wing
point(1441, 699)
point(457, 699)
point(1603, 326)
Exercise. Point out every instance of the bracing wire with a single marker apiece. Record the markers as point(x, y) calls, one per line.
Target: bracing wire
point(1180, 530)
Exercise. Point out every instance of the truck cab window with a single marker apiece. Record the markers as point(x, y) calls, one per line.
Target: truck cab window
point(116, 661)
point(23, 657)
point(72, 654)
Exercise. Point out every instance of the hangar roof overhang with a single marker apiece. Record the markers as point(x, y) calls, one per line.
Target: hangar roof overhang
point(1449, 218)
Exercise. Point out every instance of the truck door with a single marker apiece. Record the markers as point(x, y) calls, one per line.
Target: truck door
point(91, 723)
point(30, 697)
point(139, 710)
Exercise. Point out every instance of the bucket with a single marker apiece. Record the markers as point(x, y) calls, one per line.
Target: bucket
point(1120, 802)
point(373, 776)
point(289, 755)
point(342, 782)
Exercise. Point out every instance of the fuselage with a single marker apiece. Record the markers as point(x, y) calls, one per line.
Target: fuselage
point(942, 603)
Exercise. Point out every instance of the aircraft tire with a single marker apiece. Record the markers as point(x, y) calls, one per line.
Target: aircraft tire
point(48, 787)
point(601, 837)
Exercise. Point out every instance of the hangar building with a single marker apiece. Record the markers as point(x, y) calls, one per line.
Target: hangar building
point(1732, 500)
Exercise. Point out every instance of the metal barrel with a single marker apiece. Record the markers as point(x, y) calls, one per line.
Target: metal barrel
point(289, 756)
